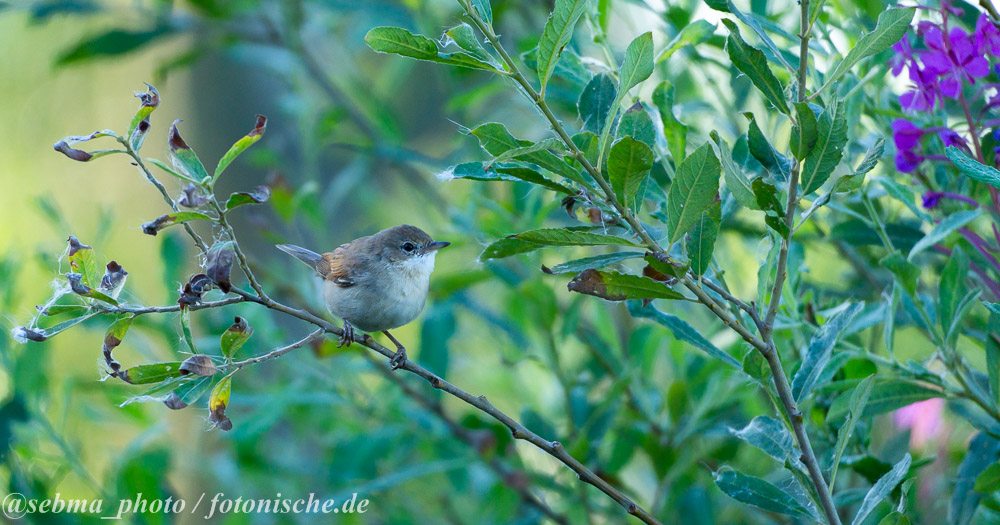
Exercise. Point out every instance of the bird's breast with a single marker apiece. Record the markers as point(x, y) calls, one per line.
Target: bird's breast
point(383, 300)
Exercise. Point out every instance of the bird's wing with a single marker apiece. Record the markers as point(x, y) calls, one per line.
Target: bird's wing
point(334, 267)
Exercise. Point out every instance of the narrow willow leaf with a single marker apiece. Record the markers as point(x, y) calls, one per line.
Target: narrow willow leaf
point(885, 397)
point(952, 288)
point(736, 181)
point(183, 158)
point(831, 137)
point(65, 146)
point(983, 451)
point(564, 237)
point(638, 63)
point(993, 354)
point(882, 488)
point(186, 330)
point(989, 480)
point(662, 268)
point(753, 63)
point(757, 492)
point(140, 124)
point(259, 195)
point(557, 33)
point(856, 178)
point(891, 26)
point(596, 100)
point(465, 37)
point(752, 22)
point(112, 338)
point(859, 398)
point(484, 10)
point(895, 518)
point(189, 391)
point(904, 194)
point(399, 41)
point(942, 229)
point(820, 349)
point(503, 172)
point(83, 261)
point(764, 152)
point(160, 164)
point(217, 403)
point(972, 168)
point(682, 331)
point(76, 284)
point(693, 190)
point(673, 131)
point(629, 163)
point(770, 436)
point(170, 219)
point(615, 286)
point(495, 140)
point(701, 239)
point(804, 132)
point(508, 246)
point(691, 35)
point(637, 124)
point(152, 373)
point(240, 146)
point(587, 263)
point(235, 337)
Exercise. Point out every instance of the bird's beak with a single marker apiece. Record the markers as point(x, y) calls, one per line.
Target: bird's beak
point(435, 246)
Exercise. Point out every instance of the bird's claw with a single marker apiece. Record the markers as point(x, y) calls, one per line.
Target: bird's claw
point(347, 336)
point(398, 359)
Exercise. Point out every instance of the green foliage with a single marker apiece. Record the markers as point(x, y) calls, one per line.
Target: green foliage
point(692, 191)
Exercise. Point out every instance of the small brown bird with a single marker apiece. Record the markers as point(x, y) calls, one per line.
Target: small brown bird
point(375, 283)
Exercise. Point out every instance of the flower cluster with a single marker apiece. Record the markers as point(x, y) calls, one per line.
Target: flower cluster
point(949, 59)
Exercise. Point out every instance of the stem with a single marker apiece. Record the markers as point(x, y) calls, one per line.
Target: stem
point(277, 352)
point(244, 265)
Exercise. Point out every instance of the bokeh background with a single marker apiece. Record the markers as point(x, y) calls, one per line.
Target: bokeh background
point(355, 143)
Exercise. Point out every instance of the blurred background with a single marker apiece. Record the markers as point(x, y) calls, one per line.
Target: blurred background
point(355, 143)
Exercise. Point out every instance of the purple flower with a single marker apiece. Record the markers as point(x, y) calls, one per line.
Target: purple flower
point(987, 36)
point(904, 54)
point(924, 94)
point(951, 138)
point(905, 134)
point(931, 199)
point(908, 160)
point(955, 60)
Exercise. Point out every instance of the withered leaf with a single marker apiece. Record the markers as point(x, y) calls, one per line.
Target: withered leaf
point(191, 292)
point(114, 278)
point(65, 146)
point(192, 198)
point(217, 404)
point(219, 264)
point(76, 284)
point(161, 222)
point(615, 286)
point(199, 365)
point(75, 245)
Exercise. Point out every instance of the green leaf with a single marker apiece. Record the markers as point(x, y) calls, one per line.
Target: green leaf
point(701, 239)
point(139, 126)
point(160, 164)
point(859, 399)
point(189, 391)
point(942, 229)
point(465, 37)
point(259, 195)
point(596, 100)
point(753, 63)
point(993, 354)
point(853, 180)
point(972, 168)
point(983, 452)
point(821, 349)
point(682, 331)
point(587, 263)
point(757, 492)
point(83, 261)
point(763, 151)
point(751, 21)
point(885, 397)
point(989, 480)
point(218, 401)
point(399, 41)
point(183, 158)
point(64, 146)
point(241, 145)
point(637, 124)
point(638, 63)
point(694, 188)
point(110, 43)
point(496, 140)
point(831, 136)
point(882, 488)
point(891, 26)
point(895, 518)
point(736, 181)
point(112, 338)
point(535, 239)
point(674, 132)
point(508, 246)
point(615, 286)
point(186, 330)
point(557, 33)
point(79, 288)
point(952, 288)
point(484, 10)
point(691, 35)
point(629, 163)
point(906, 273)
point(904, 194)
point(152, 373)
point(502, 172)
point(170, 219)
point(235, 337)
point(804, 132)
point(770, 436)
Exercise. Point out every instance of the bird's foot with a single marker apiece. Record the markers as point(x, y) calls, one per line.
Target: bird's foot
point(399, 358)
point(347, 336)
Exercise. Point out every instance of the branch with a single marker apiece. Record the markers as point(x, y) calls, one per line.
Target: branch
point(277, 352)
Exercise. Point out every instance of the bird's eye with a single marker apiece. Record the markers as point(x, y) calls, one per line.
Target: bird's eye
point(408, 247)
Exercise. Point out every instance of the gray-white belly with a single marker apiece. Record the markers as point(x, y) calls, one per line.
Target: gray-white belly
point(373, 309)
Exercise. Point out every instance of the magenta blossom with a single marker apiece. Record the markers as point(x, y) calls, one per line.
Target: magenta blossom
point(931, 199)
point(924, 94)
point(906, 136)
point(951, 138)
point(987, 36)
point(904, 54)
point(923, 419)
point(954, 60)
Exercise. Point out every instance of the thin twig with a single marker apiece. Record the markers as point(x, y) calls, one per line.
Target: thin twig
point(277, 352)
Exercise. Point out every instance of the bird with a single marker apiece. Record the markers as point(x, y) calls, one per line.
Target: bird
point(377, 282)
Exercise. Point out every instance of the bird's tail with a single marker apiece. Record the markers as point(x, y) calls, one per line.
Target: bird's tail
point(309, 257)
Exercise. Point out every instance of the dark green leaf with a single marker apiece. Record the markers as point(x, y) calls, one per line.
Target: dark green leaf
point(399, 41)
point(753, 63)
point(557, 33)
point(983, 452)
point(757, 492)
point(892, 25)
point(629, 163)
point(804, 132)
point(853, 180)
point(170, 219)
point(952, 288)
point(691, 35)
point(942, 229)
point(993, 354)
point(694, 188)
point(152, 373)
point(763, 151)
point(111, 43)
point(496, 140)
point(885, 397)
point(637, 124)
point(638, 63)
point(682, 331)
point(820, 349)
point(701, 239)
point(184, 159)
point(587, 263)
point(972, 168)
point(615, 286)
point(831, 136)
point(881, 489)
point(989, 480)
point(595, 104)
point(503, 172)
point(769, 435)
point(189, 391)
point(674, 132)
point(859, 399)
point(259, 195)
